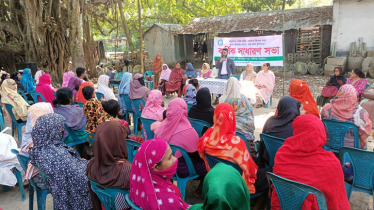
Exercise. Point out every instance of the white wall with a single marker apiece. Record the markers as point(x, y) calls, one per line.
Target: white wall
point(158, 40)
point(353, 19)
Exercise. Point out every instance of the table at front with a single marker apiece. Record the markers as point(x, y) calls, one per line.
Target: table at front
point(217, 86)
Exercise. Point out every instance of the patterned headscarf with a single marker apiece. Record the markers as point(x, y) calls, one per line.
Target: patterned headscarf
point(300, 91)
point(95, 114)
point(10, 96)
point(244, 116)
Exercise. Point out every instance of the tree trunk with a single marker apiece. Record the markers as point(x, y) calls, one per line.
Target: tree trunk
point(140, 37)
point(89, 46)
point(125, 27)
point(284, 4)
point(75, 35)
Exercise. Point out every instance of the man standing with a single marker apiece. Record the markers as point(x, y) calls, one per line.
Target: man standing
point(226, 66)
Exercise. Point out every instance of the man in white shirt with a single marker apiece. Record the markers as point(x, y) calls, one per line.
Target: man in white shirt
point(226, 66)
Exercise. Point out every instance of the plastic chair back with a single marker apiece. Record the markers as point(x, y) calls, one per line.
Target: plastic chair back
point(126, 99)
point(199, 125)
point(147, 127)
point(76, 139)
point(292, 194)
point(131, 145)
point(99, 95)
point(36, 95)
point(137, 113)
point(24, 96)
point(239, 134)
point(91, 139)
point(132, 204)
point(15, 124)
point(236, 76)
point(80, 104)
point(149, 73)
point(107, 195)
point(272, 144)
point(212, 161)
point(363, 169)
point(18, 175)
point(189, 107)
point(2, 125)
point(119, 76)
point(337, 131)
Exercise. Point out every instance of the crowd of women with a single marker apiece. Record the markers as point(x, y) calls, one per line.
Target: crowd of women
point(301, 158)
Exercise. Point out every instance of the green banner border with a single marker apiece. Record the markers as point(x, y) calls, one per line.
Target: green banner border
point(273, 58)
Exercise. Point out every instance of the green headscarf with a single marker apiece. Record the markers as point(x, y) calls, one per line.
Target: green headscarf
point(224, 188)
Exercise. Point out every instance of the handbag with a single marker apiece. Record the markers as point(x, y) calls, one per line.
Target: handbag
point(329, 91)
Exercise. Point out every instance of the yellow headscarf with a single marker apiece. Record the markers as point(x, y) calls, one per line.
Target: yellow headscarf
point(204, 71)
point(10, 96)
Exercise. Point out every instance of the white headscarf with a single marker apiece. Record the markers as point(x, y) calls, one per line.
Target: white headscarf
point(104, 89)
point(232, 90)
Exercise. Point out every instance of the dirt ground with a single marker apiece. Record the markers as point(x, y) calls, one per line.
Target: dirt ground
point(11, 200)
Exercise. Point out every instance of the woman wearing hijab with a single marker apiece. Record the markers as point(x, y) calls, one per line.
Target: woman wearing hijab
point(61, 163)
point(358, 81)
point(66, 78)
point(205, 71)
point(190, 71)
point(344, 107)
point(190, 96)
point(224, 188)
point(247, 79)
point(303, 159)
point(300, 91)
point(103, 88)
point(153, 109)
point(38, 74)
point(124, 88)
point(16, 76)
point(44, 88)
point(80, 98)
point(264, 82)
point(220, 141)
point(165, 75)
point(10, 96)
point(175, 81)
point(203, 109)
point(27, 81)
point(157, 68)
point(110, 167)
point(337, 80)
point(153, 167)
point(138, 89)
point(232, 90)
point(249, 74)
point(74, 84)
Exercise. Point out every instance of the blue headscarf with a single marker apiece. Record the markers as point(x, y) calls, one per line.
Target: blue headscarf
point(190, 97)
point(190, 72)
point(124, 88)
point(27, 81)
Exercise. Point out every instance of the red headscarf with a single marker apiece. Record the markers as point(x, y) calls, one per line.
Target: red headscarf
point(176, 74)
point(44, 88)
point(80, 98)
point(300, 91)
point(302, 159)
point(156, 64)
point(220, 141)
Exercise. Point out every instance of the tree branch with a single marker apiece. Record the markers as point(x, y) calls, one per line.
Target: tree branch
point(10, 28)
point(101, 30)
point(14, 48)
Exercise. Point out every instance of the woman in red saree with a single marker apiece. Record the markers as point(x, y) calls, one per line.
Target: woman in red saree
point(175, 80)
point(157, 68)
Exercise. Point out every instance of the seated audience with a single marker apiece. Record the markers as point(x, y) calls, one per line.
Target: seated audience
point(153, 109)
point(44, 88)
point(177, 130)
point(249, 74)
point(247, 79)
point(303, 159)
point(81, 73)
point(8, 161)
point(157, 124)
point(4, 76)
point(103, 88)
point(224, 188)
point(264, 82)
point(74, 84)
point(27, 81)
point(151, 187)
point(124, 88)
point(110, 167)
point(205, 71)
point(16, 76)
point(73, 114)
point(66, 78)
point(93, 110)
point(232, 90)
point(344, 107)
point(203, 109)
point(300, 91)
point(62, 164)
point(164, 78)
point(220, 141)
point(138, 90)
point(175, 81)
point(80, 98)
point(190, 71)
point(10, 96)
point(38, 74)
point(337, 80)
point(190, 96)
point(358, 81)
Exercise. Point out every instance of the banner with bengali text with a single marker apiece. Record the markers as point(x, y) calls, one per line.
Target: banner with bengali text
point(255, 50)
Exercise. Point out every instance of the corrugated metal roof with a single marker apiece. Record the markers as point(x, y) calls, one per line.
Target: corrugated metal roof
point(172, 28)
point(269, 20)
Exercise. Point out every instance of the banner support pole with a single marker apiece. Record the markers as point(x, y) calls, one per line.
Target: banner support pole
point(283, 46)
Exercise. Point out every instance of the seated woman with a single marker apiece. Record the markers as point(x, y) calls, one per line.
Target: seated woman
point(61, 163)
point(223, 183)
point(337, 80)
point(203, 109)
point(44, 88)
point(205, 71)
point(190, 71)
point(247, 79)
point(138, 89)
point(177, 130)
point(73, 114)
point(151, 187)
point(190, 96)
point(344, 107)
point(38, 74)
point(110, 167)
point(66, 78)
point(358, 81)
point(153, 109)
point(10, 96)
point(220, 141)
point(175, 81)
point(124, 88)
point(4, 76)
point(164, 78)
point(249, 74)
point(300, 91)
point(103, 88)
point(93, 110)
point(74, 84)
point(16, 76)
point(303, 159)
point(27, 81)
point(232, 90)
point(264, 82)
point(80, 98)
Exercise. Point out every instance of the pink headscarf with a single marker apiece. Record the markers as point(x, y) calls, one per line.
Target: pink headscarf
point(66, 78)
point(165, 74)
point(175, 123)
point(153, 108)
point(44, 88)
point(150, 189)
